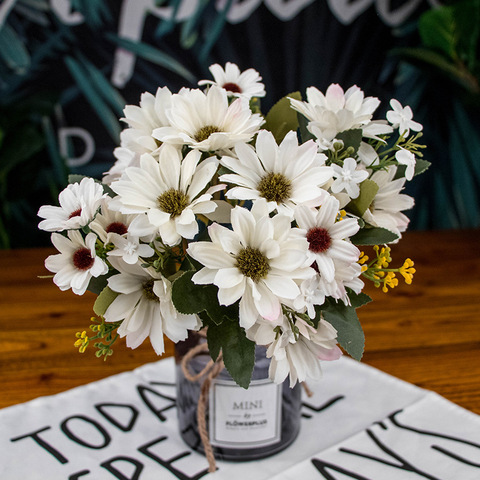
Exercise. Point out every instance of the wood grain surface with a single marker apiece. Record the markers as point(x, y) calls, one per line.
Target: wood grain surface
point(427, 333)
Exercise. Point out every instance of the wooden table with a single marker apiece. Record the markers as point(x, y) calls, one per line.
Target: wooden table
point(427, 333)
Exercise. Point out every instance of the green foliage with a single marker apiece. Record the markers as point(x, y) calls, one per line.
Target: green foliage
point(351, 140)
point(238, 351)
point(373, 236)
point(190, 298)
point(103, 301)
point(345, 320)
point(359, 205)
point(282, 118)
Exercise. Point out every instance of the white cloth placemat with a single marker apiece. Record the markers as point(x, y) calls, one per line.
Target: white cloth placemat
point(360, 424)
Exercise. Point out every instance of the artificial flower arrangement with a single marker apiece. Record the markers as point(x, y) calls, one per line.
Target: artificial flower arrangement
point(217, 216)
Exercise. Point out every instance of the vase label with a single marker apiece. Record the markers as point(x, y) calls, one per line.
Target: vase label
point(242, 418)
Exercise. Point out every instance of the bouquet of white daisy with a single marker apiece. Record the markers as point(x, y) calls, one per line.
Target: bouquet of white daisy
point(217, 216)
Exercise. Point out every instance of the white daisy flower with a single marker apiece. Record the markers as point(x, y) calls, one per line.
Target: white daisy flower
point(338, 111)
point(76, 263)
point(169, 192)
point(347, 275)
point(206, 121)
point(402, 118)
point(385, 210)
point(405, 157)
point(258, 262)
point(124, 158)
point(144, 305)
point(296, 355)
point(326, 236)
point(109, 221)
point(348, 177)
point(79, 203)
point(285, 175)
point(143, 120)
point(236, 83)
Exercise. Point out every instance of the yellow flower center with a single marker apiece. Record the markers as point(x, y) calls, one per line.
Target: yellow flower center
point(252, 263)
point(275, 187)
point(205, 132)
point(173, 202)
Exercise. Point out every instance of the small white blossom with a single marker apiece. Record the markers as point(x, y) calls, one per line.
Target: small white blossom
point(402, 118)
point(129, 248)
point(348, 177)
point(407, 158)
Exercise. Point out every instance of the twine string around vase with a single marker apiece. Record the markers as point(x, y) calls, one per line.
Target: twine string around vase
point(209, 372)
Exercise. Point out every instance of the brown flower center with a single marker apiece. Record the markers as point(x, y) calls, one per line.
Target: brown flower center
point(319, 240)
point(148, 292)
point(275, 187)
point(252, 263)
point(82, 259)
point(173, 202)
point(232, 87)
point(205, 132)
point(76, 213)
point(117, 227)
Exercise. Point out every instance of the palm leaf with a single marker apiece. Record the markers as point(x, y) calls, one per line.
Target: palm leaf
point(88, 88)
point(13, 51)
point(153, 55)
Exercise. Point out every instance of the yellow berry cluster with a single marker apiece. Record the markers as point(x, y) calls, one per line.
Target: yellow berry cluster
point(378, 270)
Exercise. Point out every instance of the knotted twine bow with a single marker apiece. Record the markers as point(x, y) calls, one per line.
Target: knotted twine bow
point(209, 372)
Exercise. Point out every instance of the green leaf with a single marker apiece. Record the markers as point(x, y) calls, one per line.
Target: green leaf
point(349, 331)
point(282, 117)
point(467, 21)
point(13, 51)
point(89, 90)
point(103, 301)
point(351, 139)
point(359, 205)
point(75, 178)
point(238, 351)
point(190, 298)
point(373, 236)
point(437, 31)
point(97, 284)
point(421, 166)
point(358, 299)
point(153, 55)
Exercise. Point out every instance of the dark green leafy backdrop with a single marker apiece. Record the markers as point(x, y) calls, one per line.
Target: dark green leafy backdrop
point(68, 67)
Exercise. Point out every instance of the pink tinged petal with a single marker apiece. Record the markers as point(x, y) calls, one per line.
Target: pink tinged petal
point(335, 98)
point(329, 354)
point(169, 233)
point(289, 260)
point(124, 283)
point(283, 287)
point(326, 267)
point(228, 296)
point(168, 166)
point(157, 217)
point(188, 230)
point(268, 305)
point(344, 229)
point(243, 224)
point(188, 167)
point(210, 255)
point(205, 276)
point(342, 250)
point(202, 176)
point(248, 312)
point(228, 277)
